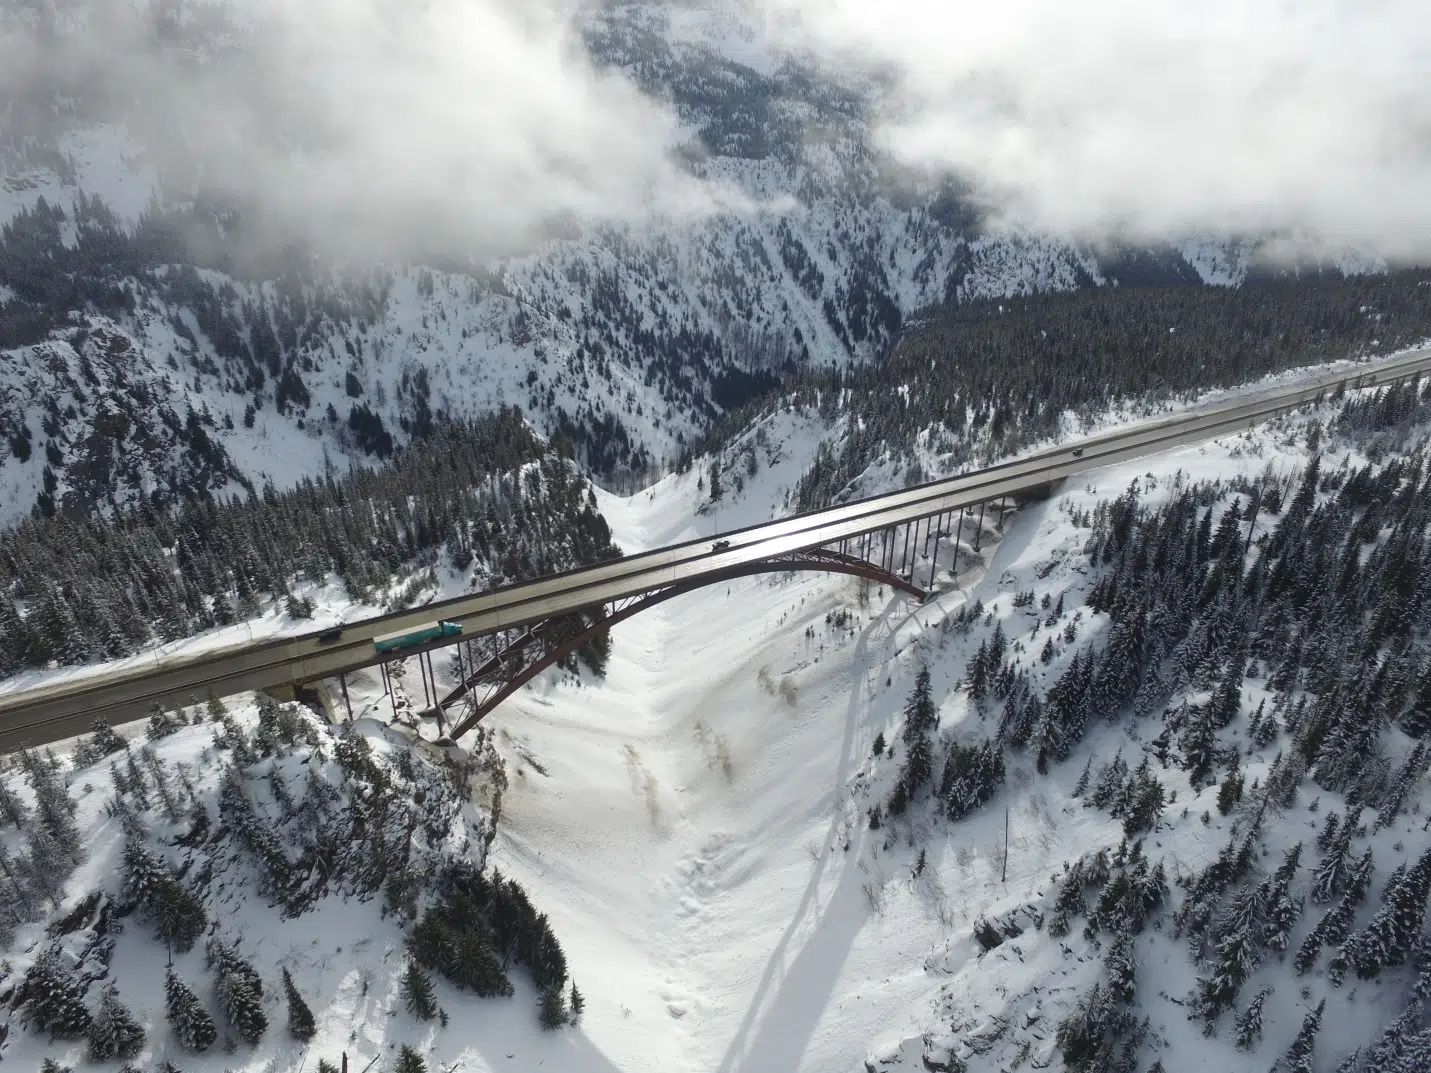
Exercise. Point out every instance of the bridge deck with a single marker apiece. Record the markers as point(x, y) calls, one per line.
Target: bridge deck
point(67, 707)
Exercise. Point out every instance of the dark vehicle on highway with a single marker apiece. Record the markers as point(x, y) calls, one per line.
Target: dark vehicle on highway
point(720, 545)
point(328, 636)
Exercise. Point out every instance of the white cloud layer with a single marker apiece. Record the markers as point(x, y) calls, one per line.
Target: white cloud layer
point(1155, 118)
point(470, 127)
point(389, 127)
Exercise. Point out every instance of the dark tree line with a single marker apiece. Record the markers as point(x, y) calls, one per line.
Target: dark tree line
point(487, 495)
point(986, 377)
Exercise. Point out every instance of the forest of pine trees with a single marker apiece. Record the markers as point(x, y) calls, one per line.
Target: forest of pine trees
point(982, 379)
point(289, 810)
point(489, 496)
point(1326, 606)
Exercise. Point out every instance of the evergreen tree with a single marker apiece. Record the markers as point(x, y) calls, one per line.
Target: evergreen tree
point(1331, 828)
point(102, 742)
point(1391, 936)
point(1108, 787)
point(1236, 957)
point(920, 716)
point(1081, 785)
point(552, 1008)
point(144, 873)
point(190, 1022)
point(417, 992)
point(409, 1061)
point(238, 991)
point(1230, 792)
point(1416, 1055)
point(300, 1018)
point(1199, 744)
point(54, 999)
point(1411, 772)
point(1249, 1021)
point(12, 809)
point(53, 806)
point(972, 774)
point(1331, 874)
point(113, 1032)
point(1394, 1039)
point(1335, 925)
point(1143, 801)
point(177, 914)
point(1298, 1057)
point(475, 966)
point(162, 723)
point(1417, 720)
point(578, 1003)
point(1282, 910)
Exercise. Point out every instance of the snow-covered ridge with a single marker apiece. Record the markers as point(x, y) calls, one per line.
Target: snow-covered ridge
point(625, 340)
point(728, 760)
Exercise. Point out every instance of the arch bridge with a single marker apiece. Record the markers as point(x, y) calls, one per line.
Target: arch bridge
point(511, 634)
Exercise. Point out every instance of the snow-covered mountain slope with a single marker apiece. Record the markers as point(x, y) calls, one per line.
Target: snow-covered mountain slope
point(624, 339)
point(698, 824)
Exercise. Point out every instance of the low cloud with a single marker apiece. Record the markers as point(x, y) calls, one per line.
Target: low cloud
point(376, 127)
point(1130, 119)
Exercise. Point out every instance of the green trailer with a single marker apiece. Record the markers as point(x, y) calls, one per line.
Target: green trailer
point(392, 642)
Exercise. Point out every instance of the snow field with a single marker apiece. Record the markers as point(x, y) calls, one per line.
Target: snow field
point(696, 827)
point(778, 947)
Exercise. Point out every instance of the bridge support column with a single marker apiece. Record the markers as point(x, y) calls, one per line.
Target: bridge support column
point(550, 641)
point(934, 556)
point(979, 533)
point(388, 687)
point(348, 704)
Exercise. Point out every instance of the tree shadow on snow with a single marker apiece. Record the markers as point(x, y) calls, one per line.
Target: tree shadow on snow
point(799, 977)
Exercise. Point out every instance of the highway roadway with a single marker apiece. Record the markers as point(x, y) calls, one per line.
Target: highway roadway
point(68, 706)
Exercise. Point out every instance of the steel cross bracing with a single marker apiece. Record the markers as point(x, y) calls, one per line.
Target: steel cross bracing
point(510, 662)
point(882, 532)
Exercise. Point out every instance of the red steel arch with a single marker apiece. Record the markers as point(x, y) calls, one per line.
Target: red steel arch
point(554, 640)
